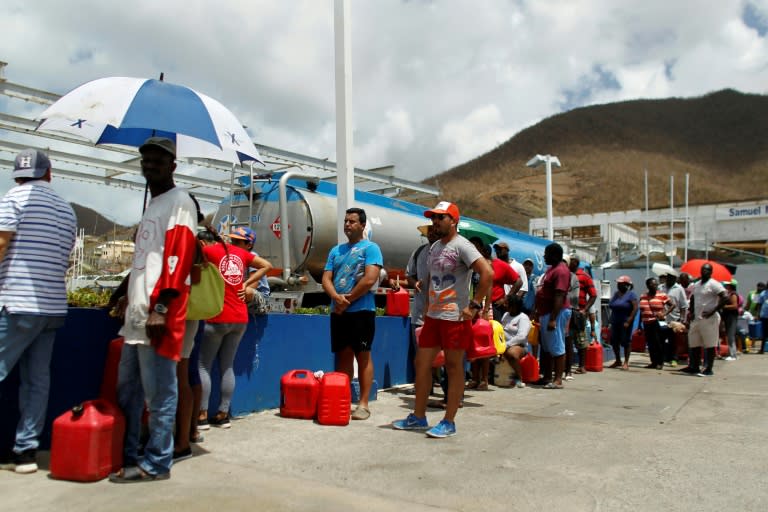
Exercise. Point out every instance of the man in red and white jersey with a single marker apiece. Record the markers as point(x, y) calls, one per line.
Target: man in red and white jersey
point(158, 291)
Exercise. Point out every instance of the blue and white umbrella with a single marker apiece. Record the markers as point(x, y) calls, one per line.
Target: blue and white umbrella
point(126, 111)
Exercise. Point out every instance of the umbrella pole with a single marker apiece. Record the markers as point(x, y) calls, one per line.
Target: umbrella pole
point(250, 196)
point(231, 198)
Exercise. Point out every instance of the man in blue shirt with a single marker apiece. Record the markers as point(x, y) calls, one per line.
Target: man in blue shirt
point(351, 271)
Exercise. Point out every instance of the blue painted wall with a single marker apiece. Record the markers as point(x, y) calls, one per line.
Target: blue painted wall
point(272, 345)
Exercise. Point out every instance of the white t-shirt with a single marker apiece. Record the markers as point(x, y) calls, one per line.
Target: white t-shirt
point(450, 274)
point(706, 296)
point(520, 269)
point(516, 329)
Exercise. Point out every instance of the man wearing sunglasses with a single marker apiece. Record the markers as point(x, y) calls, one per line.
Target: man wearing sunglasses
point(448, 318)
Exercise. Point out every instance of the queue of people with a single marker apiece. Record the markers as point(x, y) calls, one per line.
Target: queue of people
point(166, 368)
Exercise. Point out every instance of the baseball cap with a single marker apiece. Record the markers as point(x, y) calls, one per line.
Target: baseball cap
point(502, 245)
point(159, 142)
point(528, 259)
point(444, 207)
point(31, 163)
point(243, 233)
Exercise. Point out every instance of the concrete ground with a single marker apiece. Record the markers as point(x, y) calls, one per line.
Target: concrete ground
point(636, 440)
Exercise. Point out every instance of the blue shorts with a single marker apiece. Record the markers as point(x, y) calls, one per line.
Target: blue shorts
point(553, 341)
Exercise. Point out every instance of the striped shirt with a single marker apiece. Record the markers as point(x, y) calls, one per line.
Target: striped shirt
point(32, 272)
point(651, 306)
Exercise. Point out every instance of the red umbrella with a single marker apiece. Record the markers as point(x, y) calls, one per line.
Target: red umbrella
point(719, 271)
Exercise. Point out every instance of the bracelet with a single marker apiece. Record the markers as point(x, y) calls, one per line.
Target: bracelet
point(475, 305)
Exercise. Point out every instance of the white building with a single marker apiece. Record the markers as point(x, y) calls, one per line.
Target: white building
point(738, 225)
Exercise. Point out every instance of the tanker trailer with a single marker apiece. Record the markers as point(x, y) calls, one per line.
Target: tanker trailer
point(296, 234)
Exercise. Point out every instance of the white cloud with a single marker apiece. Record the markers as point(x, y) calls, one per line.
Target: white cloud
point(480, 131)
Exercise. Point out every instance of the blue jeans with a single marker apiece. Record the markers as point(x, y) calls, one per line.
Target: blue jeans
point(144, 373)
point(28, 340)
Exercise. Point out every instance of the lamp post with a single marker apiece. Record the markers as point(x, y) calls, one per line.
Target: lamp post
point(548, 161)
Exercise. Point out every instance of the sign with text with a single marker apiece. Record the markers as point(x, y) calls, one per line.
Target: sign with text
point(742, 212)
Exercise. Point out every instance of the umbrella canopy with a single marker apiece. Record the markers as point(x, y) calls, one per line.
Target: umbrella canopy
point(662, 269)
point(126, 111)
point(719, 271)
point(469, 228)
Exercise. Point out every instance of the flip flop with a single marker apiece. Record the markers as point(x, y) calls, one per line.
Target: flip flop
point(552, 385)
point(134, 474)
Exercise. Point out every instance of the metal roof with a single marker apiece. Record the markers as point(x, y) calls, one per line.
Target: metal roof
point(210, 180)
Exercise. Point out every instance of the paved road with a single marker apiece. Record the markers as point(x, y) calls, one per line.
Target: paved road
point(637, 440)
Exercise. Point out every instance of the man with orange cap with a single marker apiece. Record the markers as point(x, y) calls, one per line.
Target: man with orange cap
point(448, 318)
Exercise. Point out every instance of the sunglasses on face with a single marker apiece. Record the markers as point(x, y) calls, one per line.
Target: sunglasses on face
point(440, 216)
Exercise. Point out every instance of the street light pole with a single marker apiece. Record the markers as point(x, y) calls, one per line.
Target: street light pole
point(547, 160)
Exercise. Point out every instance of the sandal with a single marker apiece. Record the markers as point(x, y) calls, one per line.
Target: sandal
point(361, 413)
point(471, 385)
point(552, 385)
point(134, 474)
point(580, 370)
point(483, 386)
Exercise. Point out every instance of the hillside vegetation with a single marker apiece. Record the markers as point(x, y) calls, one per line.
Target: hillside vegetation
point(719, 139)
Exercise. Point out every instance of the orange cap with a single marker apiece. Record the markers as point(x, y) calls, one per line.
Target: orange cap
point(444, 207)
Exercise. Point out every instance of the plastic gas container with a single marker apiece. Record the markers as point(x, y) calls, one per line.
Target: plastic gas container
point(724, 347)
point(594, 362)
point(398, 302)
point(108, 390)
point(638, 341)
point(334, 399)
point(482, 341)
point(530, 367)
point(87, 442)
point(298, 394)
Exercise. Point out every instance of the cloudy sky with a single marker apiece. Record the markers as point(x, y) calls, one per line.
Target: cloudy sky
point(434, 83)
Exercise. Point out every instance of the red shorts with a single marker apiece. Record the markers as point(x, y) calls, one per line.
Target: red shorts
point(446, 334)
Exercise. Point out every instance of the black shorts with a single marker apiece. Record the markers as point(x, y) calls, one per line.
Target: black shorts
point(353, 330)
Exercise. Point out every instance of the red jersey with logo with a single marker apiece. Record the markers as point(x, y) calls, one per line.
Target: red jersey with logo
point(233, 263)
point(162, 260)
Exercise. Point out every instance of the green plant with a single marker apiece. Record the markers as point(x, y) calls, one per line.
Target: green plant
point(88, 298)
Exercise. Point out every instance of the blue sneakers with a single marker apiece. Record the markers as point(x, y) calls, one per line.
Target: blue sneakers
point(443, 429)
point(412, 422)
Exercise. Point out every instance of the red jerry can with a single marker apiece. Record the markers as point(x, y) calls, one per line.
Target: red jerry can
point(439, 360)
point(594, 361)
point(530, 367)
point(87, 442)
point(724, 348)
point(334, 399)
point(482, 341)
point(638, 341)
point(298, 394)
point(108, 390)
point(605, 334)
point(398, 302)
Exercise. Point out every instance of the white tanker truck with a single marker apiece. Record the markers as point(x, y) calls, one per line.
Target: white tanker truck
point(295, 218)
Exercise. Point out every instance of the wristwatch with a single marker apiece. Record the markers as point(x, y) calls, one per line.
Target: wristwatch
point(475, 305)
point(161, 308)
